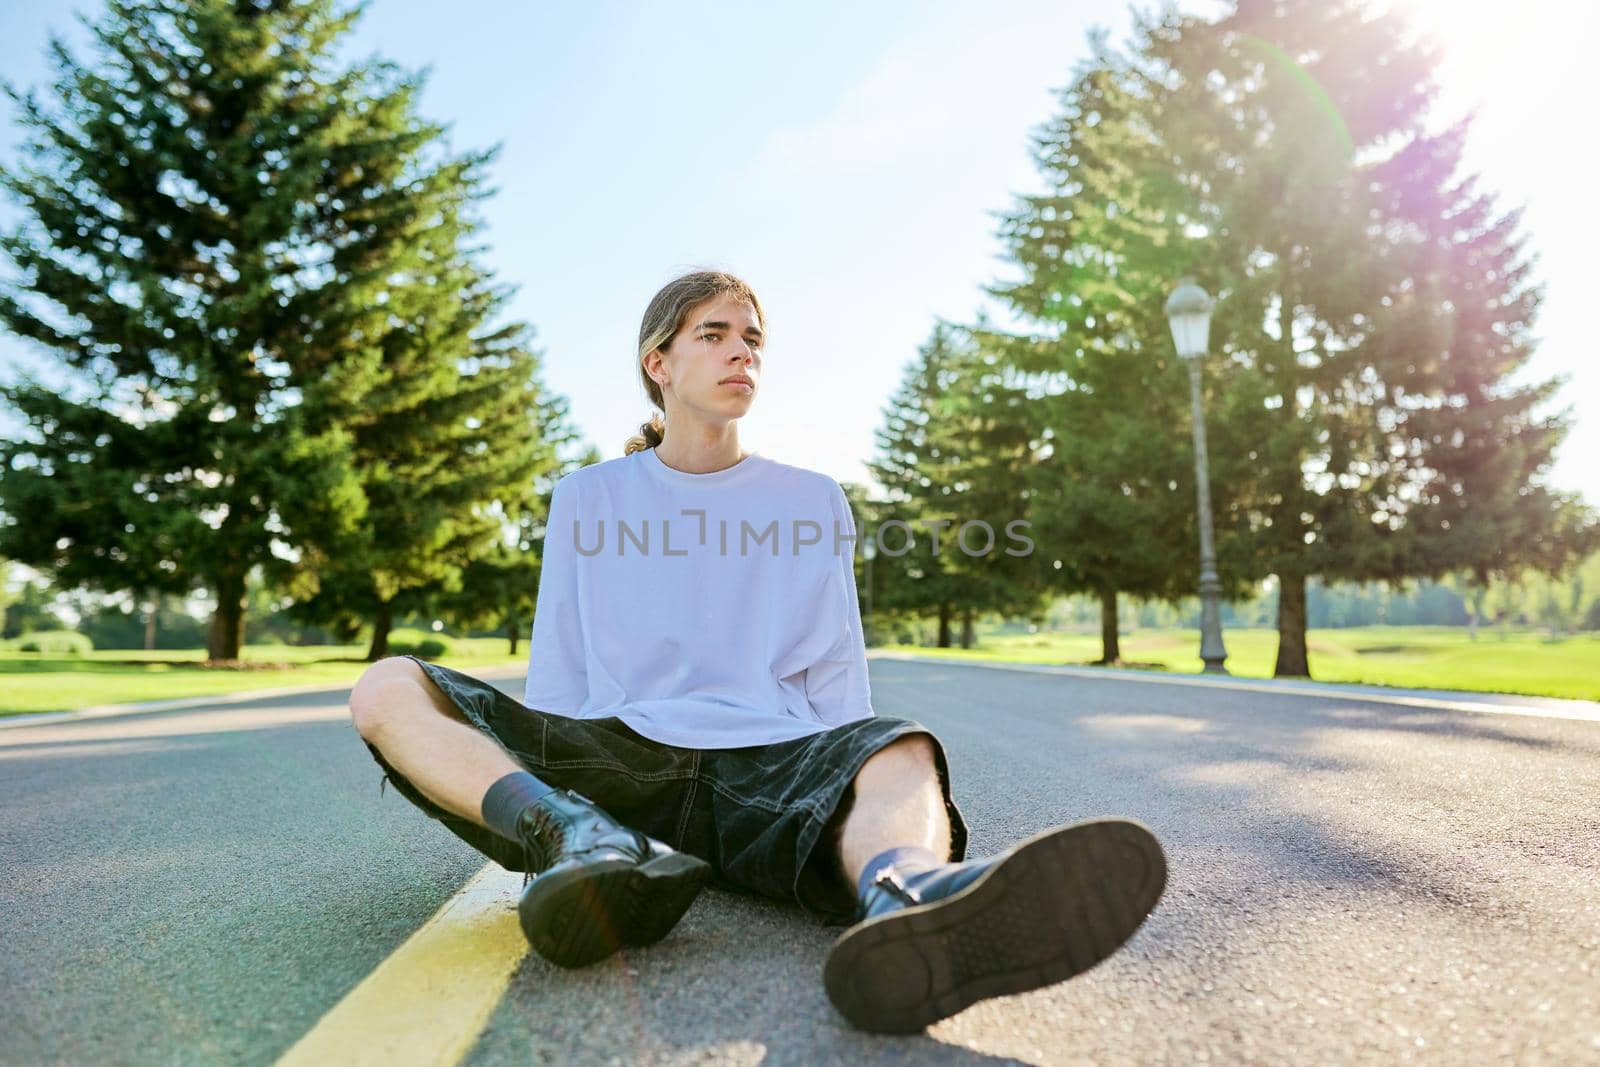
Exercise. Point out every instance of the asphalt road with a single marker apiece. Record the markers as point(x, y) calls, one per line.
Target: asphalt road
point(1350, 882)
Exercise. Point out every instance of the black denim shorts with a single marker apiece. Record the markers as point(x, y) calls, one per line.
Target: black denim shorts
point(765, 817)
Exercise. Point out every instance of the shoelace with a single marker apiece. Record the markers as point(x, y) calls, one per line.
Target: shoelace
point(540, 846)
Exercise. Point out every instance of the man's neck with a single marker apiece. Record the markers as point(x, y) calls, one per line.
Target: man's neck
point(702, 458)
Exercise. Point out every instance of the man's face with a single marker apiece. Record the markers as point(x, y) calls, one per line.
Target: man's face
point(719, 339)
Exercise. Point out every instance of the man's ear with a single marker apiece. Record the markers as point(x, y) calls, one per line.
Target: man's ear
point(655, 365)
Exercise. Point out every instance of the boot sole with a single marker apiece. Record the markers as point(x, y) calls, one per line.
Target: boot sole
point(1051, 907)
point(578, 917)
point(659, 893)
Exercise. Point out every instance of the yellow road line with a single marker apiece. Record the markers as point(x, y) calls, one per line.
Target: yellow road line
point(428, 1002)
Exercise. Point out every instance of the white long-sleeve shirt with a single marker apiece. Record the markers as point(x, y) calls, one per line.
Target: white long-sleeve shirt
point(703, 610)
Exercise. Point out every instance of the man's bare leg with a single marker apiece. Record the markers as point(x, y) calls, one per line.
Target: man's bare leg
point(423, 736)
point(897, 802)
point(598, 888)
point(939, 936)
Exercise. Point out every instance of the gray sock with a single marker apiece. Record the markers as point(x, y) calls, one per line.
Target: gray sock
point(503, 804)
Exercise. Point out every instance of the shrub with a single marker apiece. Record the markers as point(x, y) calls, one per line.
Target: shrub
point(55, 643)
point(417, 643)
point(120, 626)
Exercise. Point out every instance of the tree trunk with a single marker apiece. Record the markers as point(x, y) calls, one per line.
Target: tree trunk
point(1480, 593)
point(382, 623)
point(1292, 658)
point(226, 637)
point(967, 637)
point(150, 623)
point(944, 626)
point(513, 631)
point(1110, 645)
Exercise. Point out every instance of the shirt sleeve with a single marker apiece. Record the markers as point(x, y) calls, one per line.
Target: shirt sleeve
point(557, 664)
point(837, 683)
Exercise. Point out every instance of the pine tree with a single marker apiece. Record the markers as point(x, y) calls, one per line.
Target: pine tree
point(950, 453)
point(1114, 484)
point(983, 462)
point(908, 578)
point(1372, 305)
point(242, 256)
point(499, 588)
point(1383, 301)
point(450, 442)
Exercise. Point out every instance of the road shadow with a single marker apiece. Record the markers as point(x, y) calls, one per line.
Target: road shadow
point(1279, 786)
point(739, 979)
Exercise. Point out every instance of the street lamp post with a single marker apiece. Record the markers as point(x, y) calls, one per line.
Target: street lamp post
point(1189, 314)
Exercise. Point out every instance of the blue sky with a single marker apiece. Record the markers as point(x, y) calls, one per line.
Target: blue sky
point(847, 160)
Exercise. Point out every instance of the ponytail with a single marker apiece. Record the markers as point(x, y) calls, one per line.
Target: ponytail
point(650, 435)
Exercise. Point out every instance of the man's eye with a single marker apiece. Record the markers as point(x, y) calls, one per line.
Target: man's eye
point(754, 345)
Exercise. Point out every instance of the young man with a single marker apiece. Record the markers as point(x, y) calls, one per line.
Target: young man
point(698, 709)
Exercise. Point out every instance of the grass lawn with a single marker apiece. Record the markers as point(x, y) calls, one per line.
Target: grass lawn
point(1422, 657)
point(1414, 656)
point(31, 682)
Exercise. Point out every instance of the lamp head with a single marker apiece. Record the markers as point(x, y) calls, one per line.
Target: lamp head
point(1189, 315)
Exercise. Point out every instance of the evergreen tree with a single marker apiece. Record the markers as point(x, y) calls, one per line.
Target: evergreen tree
point(1114, 484)
point(908, 578)
point(952, 451)
point(1383, 301)
point(499, 588)
point(985, 443)
point(1373, 305)
point(242, 255)
point(448, 446)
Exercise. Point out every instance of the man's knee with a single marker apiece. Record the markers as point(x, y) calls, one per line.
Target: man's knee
point(918, 747)
point(373, 701)
point(903, 753)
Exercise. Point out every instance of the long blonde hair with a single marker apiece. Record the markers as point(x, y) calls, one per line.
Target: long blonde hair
point(663, 318)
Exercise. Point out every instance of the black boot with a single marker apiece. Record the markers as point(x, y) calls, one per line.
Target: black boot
point(931, 943)
point(597, 885)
